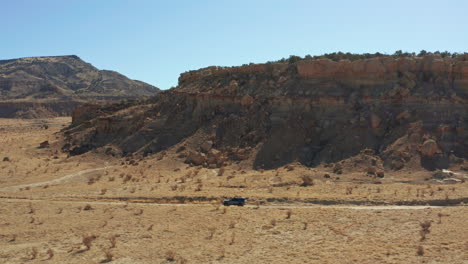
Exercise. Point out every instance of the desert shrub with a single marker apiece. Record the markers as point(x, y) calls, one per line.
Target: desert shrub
point(233, 238)
point(139, 212)
point(31, 209)
point(127, 178)
point(34, 253)
point(425, 229)
point(91, 180)
point(307, 181)
point(420, 251)
point(273, 222)
point(170, 255)
point(50, 253)
point(212, 231)
point(108, 256)
point(13, 238)
point(88, 240)
point(113, 241)
point(288, 214)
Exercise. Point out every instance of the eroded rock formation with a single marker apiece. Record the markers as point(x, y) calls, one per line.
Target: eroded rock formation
point(408, 111)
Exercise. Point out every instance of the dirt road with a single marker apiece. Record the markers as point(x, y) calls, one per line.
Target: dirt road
point(272, 206)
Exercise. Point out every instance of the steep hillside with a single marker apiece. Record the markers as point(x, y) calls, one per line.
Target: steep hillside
point(49, 80)
point(375, 114)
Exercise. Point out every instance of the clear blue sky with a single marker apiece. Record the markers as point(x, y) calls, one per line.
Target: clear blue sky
point(154, 41)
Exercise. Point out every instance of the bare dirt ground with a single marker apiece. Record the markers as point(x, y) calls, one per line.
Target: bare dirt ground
point(94, 208)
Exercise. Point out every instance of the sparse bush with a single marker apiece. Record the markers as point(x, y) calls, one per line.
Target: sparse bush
point(103, 191)
point(425, 229)
point(13, 238)
point(108, 256)
point(88, 240)
point(50, 253)
point(113, 241)
point(420, 251)
point(212, 231)
point(31, 209)
point(91, 180)
point(221, 172)
point(257, 205)
point(233, 238)
point(273, 222)
point(440, 215)
point(34, 253)
point(288, 214)
point(139, 212)
point(87, 207)
point(222, 254)
point(170, 255)
point(307, 181)
point(127, 178)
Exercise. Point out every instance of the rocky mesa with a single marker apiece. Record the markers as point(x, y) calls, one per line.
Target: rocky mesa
point(50, 86)
point(380, 114)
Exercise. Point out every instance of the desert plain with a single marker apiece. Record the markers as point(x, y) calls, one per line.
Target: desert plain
point(95, 208)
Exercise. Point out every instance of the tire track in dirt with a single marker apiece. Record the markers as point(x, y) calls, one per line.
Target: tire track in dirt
point(51, 182)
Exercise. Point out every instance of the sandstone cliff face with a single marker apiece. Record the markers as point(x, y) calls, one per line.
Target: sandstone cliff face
point(406, 110)
point(60, 79)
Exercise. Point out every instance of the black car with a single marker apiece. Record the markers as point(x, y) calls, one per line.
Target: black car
point(239, 201)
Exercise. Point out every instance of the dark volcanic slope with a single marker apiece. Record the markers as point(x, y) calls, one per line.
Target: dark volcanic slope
point(42, 80)
point(408, 111)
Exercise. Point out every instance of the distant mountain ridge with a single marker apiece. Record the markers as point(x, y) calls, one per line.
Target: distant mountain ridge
point(63, 79)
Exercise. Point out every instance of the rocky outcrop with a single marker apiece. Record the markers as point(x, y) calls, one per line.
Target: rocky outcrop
point(49, 81)
point(408, 111)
